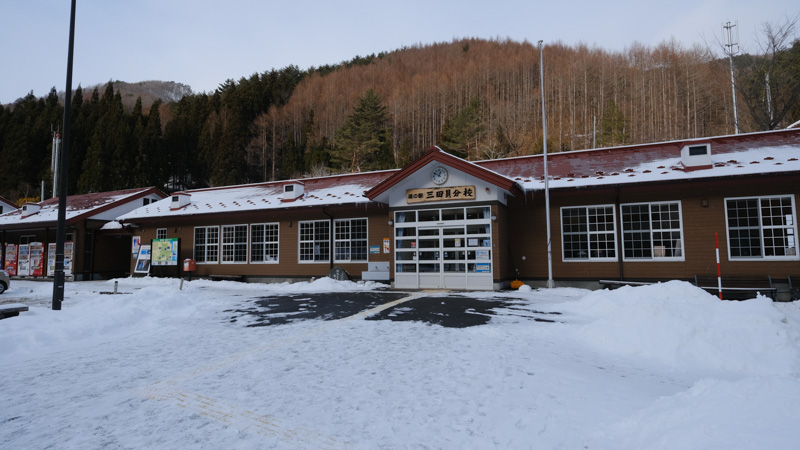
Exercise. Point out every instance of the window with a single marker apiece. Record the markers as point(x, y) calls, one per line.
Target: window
point(697, 150)
point(145, 201)
point(315, 241)
point(234, 244)
point(161, 233)
point(761, 227)
point(264, 242)
point(350, 240)
point(588, 233)
point(206, 244)
point(652, 231)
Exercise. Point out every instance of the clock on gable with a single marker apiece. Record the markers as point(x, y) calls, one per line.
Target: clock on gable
point(439, 175)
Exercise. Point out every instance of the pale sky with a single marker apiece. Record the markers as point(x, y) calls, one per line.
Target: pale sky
point(202, 43)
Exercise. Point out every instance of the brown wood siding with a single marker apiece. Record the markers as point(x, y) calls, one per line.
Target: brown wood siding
point(703, 214)
point(501, 251)
point(288, 265)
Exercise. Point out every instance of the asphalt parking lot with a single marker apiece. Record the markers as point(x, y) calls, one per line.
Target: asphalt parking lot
point(440, 308)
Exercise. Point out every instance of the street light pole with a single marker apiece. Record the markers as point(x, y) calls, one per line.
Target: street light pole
point(61, 230)
point(550, 283)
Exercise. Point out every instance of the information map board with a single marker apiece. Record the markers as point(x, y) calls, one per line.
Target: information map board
point(165, 252)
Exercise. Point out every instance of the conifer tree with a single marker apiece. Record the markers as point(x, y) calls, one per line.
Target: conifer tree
point(363, 140)
point(463, 131)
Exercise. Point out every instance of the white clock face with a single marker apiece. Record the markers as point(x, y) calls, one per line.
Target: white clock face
point(439, 175)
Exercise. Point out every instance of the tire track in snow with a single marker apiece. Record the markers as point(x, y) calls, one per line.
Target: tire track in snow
point(170, 389)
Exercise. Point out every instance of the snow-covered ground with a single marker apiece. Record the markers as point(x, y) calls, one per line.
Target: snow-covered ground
point(159, 367)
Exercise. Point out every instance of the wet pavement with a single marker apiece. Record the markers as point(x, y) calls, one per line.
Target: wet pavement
point(445, 309)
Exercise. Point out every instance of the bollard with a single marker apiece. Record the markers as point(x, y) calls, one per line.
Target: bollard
point(116, 283)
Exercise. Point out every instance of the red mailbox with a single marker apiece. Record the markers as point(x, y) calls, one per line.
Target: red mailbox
point(189, 265)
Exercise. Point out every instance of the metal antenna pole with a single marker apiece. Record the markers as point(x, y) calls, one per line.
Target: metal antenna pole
point(61, 231)
point(54, 161)
point(730, 53)
point(550, 283)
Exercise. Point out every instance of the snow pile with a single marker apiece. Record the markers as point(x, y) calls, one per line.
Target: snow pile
point(752, 413)
point(684, 327)
point(87, 319)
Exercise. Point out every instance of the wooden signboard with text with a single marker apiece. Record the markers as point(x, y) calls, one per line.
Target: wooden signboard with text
point(440, 194)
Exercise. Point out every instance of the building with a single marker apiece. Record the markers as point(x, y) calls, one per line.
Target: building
point(7, 206)
point(27, 234)
point(641, 212)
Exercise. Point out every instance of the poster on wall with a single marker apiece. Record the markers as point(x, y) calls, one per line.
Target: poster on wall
point(36, 259)
point(11, 259)
point(143, 260)
point(137, 241)
point(386, 245)
point(24, 261)
point(165, 252)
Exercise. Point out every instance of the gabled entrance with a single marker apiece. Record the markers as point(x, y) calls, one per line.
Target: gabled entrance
point(444, 248)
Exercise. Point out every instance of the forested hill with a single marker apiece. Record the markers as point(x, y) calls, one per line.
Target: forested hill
point(475, 98)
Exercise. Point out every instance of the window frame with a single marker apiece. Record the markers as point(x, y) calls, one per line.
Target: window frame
point(161, 233)
point(266, 243)
point(761, 227)
point(235, 245)
point(589, 234)
point(350, 240)
point(205, 245)
point(300, 241)
point(651, 230)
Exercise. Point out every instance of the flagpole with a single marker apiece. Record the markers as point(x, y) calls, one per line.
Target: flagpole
point(550, 283)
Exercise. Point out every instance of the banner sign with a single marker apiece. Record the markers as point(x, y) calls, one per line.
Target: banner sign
point(143, 260)
point(439, 194)
point(165, 252)
point(137, 241)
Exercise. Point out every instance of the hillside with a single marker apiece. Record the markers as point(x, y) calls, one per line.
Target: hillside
point(476, 98)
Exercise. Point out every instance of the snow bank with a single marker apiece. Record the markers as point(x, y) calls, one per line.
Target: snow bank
point(678, 324)
point(754, 412)
point(143, 304)
point(92, 318)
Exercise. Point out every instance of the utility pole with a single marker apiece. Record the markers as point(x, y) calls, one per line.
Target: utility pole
point(730, 51)
point(61, 230)
point(550, 283)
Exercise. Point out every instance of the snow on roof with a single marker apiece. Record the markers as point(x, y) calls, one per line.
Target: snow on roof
point(78, 206)
point(324, 191)
point(746, 154)
point(751, 154)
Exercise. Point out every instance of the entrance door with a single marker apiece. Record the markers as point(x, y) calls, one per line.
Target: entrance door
point(447, 248)
point(430, 258)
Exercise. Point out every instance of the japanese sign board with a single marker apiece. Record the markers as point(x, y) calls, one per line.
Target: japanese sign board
point(439, 194)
